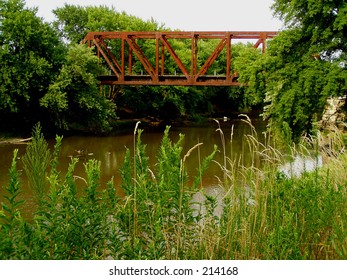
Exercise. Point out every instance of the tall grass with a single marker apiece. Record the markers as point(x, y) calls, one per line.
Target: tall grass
point(266, 214)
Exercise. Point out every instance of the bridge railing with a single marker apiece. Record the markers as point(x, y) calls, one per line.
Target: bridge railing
point(120, 49)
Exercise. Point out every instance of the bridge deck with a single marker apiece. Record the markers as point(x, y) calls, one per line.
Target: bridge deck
point(172, 80)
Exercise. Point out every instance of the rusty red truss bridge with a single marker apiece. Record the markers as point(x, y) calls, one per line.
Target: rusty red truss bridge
point(151, 51)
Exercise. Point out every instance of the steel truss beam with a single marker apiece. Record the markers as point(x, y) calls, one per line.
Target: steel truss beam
point(131, 45)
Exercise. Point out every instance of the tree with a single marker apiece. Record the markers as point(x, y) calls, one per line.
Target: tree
point(248, 62)
point(324, 23)
point(30, 55)
point(303, 66)
point(299, 84)
point(74, 22)
point(73, 98)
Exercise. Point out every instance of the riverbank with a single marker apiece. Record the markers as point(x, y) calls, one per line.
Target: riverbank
point(14, 141)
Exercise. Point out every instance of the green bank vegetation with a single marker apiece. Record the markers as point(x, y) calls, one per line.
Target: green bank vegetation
point(265, 214)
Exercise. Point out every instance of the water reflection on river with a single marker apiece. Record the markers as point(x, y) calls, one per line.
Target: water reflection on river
point(110, 150)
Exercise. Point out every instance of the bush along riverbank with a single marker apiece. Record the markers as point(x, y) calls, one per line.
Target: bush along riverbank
point(264, 214)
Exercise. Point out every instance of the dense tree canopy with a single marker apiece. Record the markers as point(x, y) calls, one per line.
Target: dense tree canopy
point(299, 84)
point(74, 22)
point(73, 97)
point(30, 56)
point(323, 23)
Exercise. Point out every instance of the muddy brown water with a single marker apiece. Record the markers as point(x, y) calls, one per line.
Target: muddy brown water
point(110, 151)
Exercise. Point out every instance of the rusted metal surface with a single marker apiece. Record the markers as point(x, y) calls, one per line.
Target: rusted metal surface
point(120, 50)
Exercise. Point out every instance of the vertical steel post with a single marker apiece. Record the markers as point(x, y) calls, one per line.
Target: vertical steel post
point(263, 37)
point(130, 62)
point(162, 59)
point(157, 45)
point(122, 74)
point(194, 59)
point(228, 76)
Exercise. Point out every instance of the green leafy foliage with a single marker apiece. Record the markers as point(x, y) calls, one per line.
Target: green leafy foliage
point(10, 217)
point(30, 54)
point(74, 96)
point(298, 91)
point(323, 22)
point(74, 22)
point(304, 65)
point(157, 220)
point(35, 163)
point(249, 64)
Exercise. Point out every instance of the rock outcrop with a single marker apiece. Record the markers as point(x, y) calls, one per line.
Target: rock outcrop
point(334, 115)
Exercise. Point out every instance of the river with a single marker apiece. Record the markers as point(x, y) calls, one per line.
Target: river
point(110, 150)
